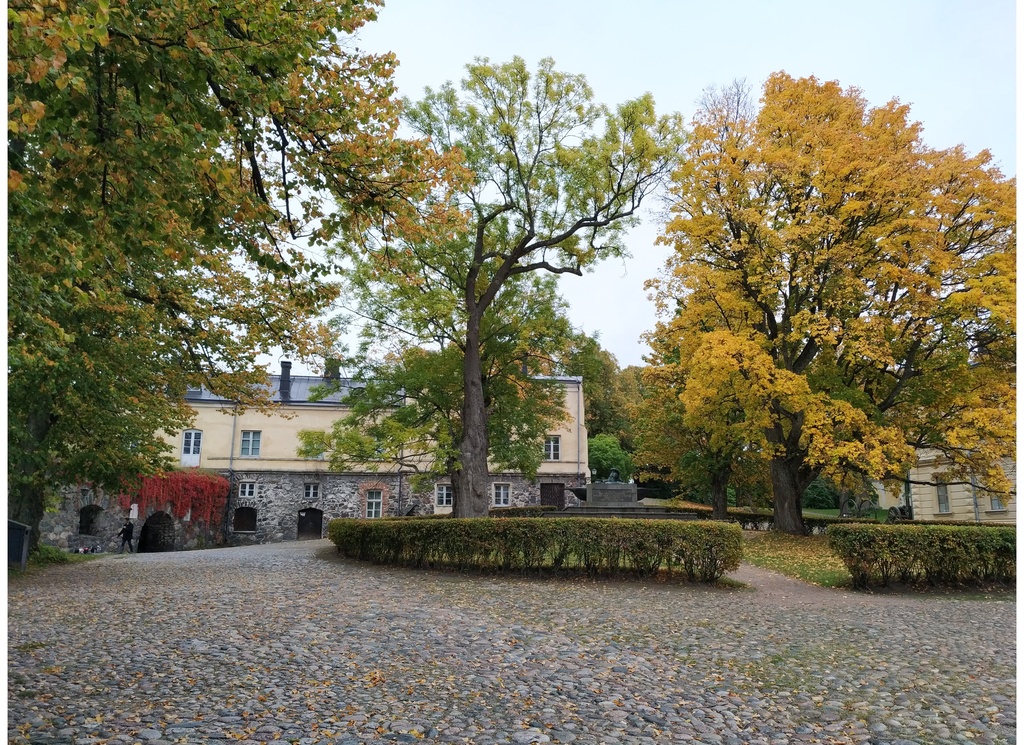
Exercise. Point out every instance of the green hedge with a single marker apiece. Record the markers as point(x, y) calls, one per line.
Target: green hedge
point(702, 551)
point(933, 554)
point(533, 510)
point(765, 520)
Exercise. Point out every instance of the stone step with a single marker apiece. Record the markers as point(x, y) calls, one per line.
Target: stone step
point(635, 512)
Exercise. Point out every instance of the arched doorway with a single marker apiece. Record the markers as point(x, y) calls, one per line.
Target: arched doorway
point(157, 534)
point(87, 520)
point(244, 520)
point(311, 524)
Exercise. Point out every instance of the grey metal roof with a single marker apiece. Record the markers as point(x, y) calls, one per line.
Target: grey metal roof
point(301, 389)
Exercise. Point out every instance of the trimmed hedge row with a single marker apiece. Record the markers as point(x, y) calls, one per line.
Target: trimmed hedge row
point(702, 551)
point(534, 510)
point(933, 554)
point(754, 520)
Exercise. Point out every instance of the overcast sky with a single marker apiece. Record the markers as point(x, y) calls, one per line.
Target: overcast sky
point(953, 62)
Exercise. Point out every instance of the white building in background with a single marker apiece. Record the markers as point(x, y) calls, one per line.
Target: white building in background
point(276, 495)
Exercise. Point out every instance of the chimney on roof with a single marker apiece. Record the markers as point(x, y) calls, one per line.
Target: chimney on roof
point(286, 381)
point(332, 368)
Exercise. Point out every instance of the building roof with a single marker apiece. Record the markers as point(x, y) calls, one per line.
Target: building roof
point(300, 389)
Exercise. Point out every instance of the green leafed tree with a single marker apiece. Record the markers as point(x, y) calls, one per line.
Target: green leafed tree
point(408, 412)
point(173, 171)
point(605, 454)
point(551, 182)
point(857, 286)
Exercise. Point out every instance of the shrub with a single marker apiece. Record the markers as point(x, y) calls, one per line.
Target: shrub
point(702, 551)
point(44, 554)
point(933, 554)
point(535, 510)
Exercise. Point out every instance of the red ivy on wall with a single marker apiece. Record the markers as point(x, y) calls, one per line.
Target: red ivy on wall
point(204, 493)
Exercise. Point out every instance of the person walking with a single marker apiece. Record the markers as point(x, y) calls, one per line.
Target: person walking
point(127, 530)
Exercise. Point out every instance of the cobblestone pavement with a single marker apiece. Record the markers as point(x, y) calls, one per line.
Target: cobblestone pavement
point(287, 642)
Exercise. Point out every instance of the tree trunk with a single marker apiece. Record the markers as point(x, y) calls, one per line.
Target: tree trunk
point(26, 495)
point(788, 486)
point(470, 497)
point(720, 494)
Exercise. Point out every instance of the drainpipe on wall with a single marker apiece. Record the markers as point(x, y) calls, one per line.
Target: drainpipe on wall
point(579, 432)
point(231, 470)
point(974, 496)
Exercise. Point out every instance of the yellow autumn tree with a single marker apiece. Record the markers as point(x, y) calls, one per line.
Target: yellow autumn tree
point(859, 285)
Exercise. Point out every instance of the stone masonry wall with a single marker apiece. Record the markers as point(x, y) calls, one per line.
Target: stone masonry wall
point(60, 528)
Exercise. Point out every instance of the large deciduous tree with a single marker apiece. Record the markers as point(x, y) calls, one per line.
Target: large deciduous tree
point(860, 285)
point(552, 180)
point(170, 167)
point(406, 410)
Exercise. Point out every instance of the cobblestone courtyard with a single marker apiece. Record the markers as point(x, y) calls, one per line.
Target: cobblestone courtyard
point(286, 642)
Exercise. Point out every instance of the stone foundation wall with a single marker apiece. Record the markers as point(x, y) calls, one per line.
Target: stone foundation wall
point(61, 527)
point(278, 499)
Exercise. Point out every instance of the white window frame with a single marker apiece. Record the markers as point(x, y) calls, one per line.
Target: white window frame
point(507, 489)
point(942, 495)
point(996, 504)
point(246, 489)
point(374, 504)
point(252, 440)
point(444, 496)
point(311, 491)
point(192, 442)
point(553, 447)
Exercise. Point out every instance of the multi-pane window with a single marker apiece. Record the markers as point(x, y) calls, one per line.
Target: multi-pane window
point(250, 443)
point(942, 496)
point(443, 494)
point(247, 490)
point(374, 503)
point(501, 495)
point(192, 442)
point(552, 448)
point(997, 504)
point(191, 445)
point(311, 492)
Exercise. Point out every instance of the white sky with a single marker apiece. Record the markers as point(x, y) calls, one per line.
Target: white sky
point(953, 61)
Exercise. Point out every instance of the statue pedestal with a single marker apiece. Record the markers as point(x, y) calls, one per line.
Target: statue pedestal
point(614, 494)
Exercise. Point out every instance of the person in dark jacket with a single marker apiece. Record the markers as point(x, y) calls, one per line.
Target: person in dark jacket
point(126, 536)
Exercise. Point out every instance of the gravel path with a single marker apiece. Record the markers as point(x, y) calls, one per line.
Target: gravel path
point(284, 641)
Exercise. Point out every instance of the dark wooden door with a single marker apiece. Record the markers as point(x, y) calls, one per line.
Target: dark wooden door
point(553, 494)
point(311, 524)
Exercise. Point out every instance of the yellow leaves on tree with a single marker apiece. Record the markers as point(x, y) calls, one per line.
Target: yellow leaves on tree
point(867, 278)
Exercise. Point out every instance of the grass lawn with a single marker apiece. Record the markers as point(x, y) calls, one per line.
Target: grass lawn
point(807, 558)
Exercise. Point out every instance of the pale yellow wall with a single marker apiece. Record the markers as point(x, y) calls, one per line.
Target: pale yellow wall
point(573, 436)
point(279, 436)
point(961, 496)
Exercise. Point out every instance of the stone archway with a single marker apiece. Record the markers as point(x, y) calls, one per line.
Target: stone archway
point(87, 520)
point(157, 534)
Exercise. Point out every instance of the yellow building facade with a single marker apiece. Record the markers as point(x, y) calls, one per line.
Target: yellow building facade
point(278, 495)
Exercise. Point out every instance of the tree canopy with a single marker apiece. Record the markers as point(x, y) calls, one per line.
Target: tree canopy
point(550, 180)
point(174, 172)
point(856, 286)
point(408, 411)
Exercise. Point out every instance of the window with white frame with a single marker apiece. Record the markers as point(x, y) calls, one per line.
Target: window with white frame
point(443, 495)
point(250, 443)
point(374, 503)
point(552, 447)
point(997, 504)
point(942, 496)
point(246, 489)
point(501, 495)
point(311, 492)
point(192, 442)
point(191, 445)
